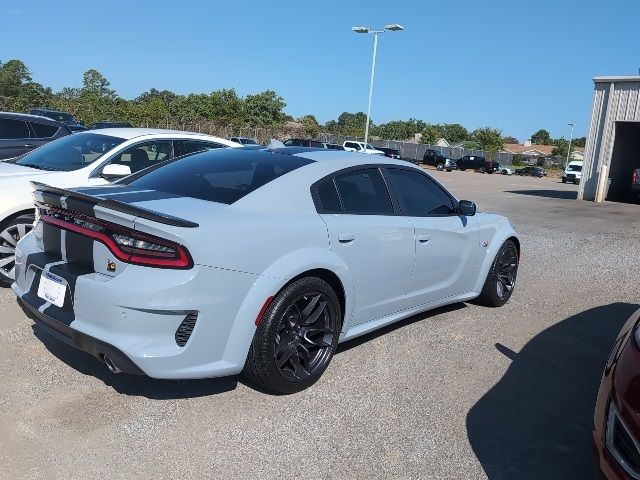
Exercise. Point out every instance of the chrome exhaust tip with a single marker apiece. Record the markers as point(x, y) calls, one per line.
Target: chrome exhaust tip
point(110, 365)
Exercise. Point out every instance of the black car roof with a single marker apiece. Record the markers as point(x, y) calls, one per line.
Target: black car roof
point(28, 118)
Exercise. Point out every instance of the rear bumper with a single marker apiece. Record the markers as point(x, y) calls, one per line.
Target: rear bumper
point(79, 340)
point(136, 318)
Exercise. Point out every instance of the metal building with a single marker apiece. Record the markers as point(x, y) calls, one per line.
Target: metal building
point(613, 145)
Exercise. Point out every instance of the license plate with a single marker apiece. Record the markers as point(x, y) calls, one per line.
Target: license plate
point(52, 289)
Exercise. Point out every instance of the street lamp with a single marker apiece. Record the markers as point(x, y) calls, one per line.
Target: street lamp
point(392, 27)
point(570, 140)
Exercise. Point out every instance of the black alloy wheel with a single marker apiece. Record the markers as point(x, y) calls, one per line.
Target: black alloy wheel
point(501, 279)
point(296, 337)
point(305, 337)
point(507, 269)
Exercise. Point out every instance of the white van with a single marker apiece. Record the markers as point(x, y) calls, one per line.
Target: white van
point(573, 173)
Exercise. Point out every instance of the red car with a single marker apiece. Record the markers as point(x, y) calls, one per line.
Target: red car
point(616, 429)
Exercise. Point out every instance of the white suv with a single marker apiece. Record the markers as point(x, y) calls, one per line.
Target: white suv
point(93, 157)
point(573, 173)
point(360, 147)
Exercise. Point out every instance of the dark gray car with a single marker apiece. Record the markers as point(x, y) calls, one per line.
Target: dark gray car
point(21, 133)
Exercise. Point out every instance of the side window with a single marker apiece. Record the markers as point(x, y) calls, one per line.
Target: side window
point(357, 146)
point(349, 145)
point(10, 129)
point(288, 143)
point(328, 196)
point(364, 191)
point(418, 194)
point(44, 131)
point(192, 146)
point(143, 155)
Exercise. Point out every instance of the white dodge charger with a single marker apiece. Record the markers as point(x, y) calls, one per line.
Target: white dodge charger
point(259, 261)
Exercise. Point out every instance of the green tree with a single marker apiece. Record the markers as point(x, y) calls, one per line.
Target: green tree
point(264, 108)
point(310, 124)
point(517, 160)
point(510, 139)
point(489, 139)
point(430, 135)
point(454, 132)
point(399, 129)
point(541, 137)
point(562, 148)
point(352, 124)
point(580, 142)
point(13, 75)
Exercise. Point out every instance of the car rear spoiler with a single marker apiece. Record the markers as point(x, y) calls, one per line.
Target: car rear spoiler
point(83, 203)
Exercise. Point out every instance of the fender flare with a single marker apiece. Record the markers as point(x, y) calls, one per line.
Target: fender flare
point(271, 281)
point(502, 236)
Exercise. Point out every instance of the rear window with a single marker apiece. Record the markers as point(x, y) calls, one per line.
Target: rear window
point(222, 176)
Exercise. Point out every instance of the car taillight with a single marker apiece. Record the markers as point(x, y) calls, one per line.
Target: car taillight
point(128, 245)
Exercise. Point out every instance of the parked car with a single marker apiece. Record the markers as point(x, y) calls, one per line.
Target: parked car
point(21, 133)
point(62, 117)
point(361, 147)
point(390, 152)
point(165, 280)
point(439, 160)
point(635, 184)
point(108, 124)
point(303, 142)
point(616, 425)
point(333, 146)
point(244, 140)
point(531, 172)
point(85, 158)
point(504, 170)
point(479, 164)
point(573, 172)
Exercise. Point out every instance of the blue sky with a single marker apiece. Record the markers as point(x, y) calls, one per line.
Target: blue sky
point(515, 65)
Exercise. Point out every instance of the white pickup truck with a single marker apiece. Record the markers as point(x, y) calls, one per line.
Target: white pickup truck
point(572, 173)
point(361, 147)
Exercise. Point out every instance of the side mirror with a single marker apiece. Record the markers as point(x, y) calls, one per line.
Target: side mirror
point(114, 171)
point(466, 208)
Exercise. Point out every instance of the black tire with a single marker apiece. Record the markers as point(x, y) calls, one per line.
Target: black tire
point(461, 169)
point(449, 170)
point(501, 279)
point(284, 332)
point(564, 180)
point(10, 233)
point(504, 172)
point(482, 170)
point(440, 167)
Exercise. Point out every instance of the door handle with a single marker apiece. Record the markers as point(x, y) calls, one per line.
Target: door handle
point(424, 238)
point(346, 237)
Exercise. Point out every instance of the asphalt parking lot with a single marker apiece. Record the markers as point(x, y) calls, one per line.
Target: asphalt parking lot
point(461, 392)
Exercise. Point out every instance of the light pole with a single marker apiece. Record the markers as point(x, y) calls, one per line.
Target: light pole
point(392, 27)
point(570, 140)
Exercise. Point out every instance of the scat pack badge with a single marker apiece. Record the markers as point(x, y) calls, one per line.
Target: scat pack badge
point(111, 266)
point(485, 243)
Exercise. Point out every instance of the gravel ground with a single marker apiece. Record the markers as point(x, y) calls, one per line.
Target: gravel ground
point(461, 392)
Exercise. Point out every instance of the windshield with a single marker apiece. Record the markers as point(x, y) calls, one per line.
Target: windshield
point(369, 147)
point(247, 141)
point(575, 168)
point(69, 153)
